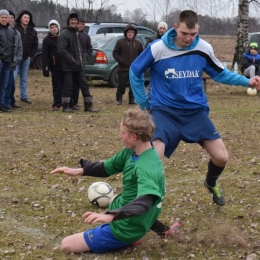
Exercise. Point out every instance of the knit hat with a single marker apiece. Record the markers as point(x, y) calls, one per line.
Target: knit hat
point(163, 24)
point(72, 15)
point(11, 13)
point(82, 20)
point(54, 22)
point(4, 12)
point(253, 45)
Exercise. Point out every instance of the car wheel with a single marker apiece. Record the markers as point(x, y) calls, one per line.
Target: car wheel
point(113, 80)
point(38, 62)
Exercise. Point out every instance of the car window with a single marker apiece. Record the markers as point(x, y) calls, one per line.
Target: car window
point(99, 41)
point(144, 31)
point(86, 29)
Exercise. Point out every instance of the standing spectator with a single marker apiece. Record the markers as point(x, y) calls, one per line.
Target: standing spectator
point(125, 52)
point(24, 24)
point(251, 61)
point(177, 101)
point(162, 28)
point(71, 49)
point(9, 93)
point(88, 47)
point(7, 45)
point(51, 61)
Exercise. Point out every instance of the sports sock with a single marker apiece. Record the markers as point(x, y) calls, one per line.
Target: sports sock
point(213, 173)
point(159, 228)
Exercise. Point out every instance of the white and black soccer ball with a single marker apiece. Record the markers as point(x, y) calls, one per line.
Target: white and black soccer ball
point(99, 194)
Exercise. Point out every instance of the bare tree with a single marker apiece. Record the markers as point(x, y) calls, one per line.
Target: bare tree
point(242, 28)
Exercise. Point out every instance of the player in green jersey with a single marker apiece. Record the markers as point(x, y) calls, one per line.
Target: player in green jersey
point(134, 212)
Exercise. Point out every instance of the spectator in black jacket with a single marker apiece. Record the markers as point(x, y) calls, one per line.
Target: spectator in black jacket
point(72, 51)
point(162, 28)
point(25, 26)
point(51, 62)
point(87, 42)
point(7, 45)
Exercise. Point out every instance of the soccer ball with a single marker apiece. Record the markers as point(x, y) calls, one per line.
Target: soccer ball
point(251, 91)
point(99, 194)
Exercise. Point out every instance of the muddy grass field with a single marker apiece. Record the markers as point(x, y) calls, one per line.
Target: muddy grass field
point(38, 210)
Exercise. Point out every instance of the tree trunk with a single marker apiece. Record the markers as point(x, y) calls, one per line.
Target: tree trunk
point(242, 31)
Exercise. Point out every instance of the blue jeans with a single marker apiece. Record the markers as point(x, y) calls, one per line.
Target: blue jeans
point(23, 69)
point(4, 78)
point(9, 92)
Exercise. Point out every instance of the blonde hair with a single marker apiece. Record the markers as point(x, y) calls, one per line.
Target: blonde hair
point(140, 123)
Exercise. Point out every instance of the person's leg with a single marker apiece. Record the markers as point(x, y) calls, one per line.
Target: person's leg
point(159, 146)
point(24, 70)
point(15, 74)
point(163, 230)
point(67, 90)
point(57, 83)
point(8, 91)
point(122, 82)
point(219, 158)
point(4, 79)
point(81, 80)
point(74, 244)
point(249, 72)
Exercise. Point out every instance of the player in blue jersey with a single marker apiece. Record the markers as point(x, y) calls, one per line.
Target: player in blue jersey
point(176, 99)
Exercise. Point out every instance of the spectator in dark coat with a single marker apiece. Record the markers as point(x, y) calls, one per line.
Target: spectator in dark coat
point(72, 51)
point(24, 24)
point(125, 52)
point(88, 46)
point(7, 45)
point(51, 62)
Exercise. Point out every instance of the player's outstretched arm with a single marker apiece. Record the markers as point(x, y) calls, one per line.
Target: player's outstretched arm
point(255, 82)
point(93, 217)
point(68, 171)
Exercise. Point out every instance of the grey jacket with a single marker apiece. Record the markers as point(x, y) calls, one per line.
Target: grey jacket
point(7, 43)
point(18, 52)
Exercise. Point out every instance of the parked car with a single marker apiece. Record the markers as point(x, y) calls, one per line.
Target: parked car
point(101, 65)
point(103, 28)
point(37, 59)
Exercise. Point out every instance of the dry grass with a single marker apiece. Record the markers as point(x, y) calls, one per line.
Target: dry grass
point(37, 210)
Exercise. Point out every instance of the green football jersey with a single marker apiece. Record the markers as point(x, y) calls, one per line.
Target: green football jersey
point(144, 176)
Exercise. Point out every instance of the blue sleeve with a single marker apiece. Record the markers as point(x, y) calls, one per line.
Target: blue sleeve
point(230, 78)
point(136, 76)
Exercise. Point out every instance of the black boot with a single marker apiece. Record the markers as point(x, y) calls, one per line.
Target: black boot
point(131, 100)
point(66, 105)
point(118, 99)
point(88, 105)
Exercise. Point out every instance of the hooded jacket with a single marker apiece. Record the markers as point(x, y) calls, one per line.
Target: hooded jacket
point(28, 36)
point(176, 74)
point(126, 50)
point(51, 60)
point(71, 49)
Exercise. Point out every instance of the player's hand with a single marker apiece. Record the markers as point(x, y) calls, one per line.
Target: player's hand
point(93, 217)
point(255, 82)
point(68, 171)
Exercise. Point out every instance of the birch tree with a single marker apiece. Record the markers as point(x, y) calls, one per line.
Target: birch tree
point(242, 28)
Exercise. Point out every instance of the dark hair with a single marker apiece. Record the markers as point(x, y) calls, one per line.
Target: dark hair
point(189, 17)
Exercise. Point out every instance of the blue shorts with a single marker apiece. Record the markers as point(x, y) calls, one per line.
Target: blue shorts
point(100, 239)
point(188, 125)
